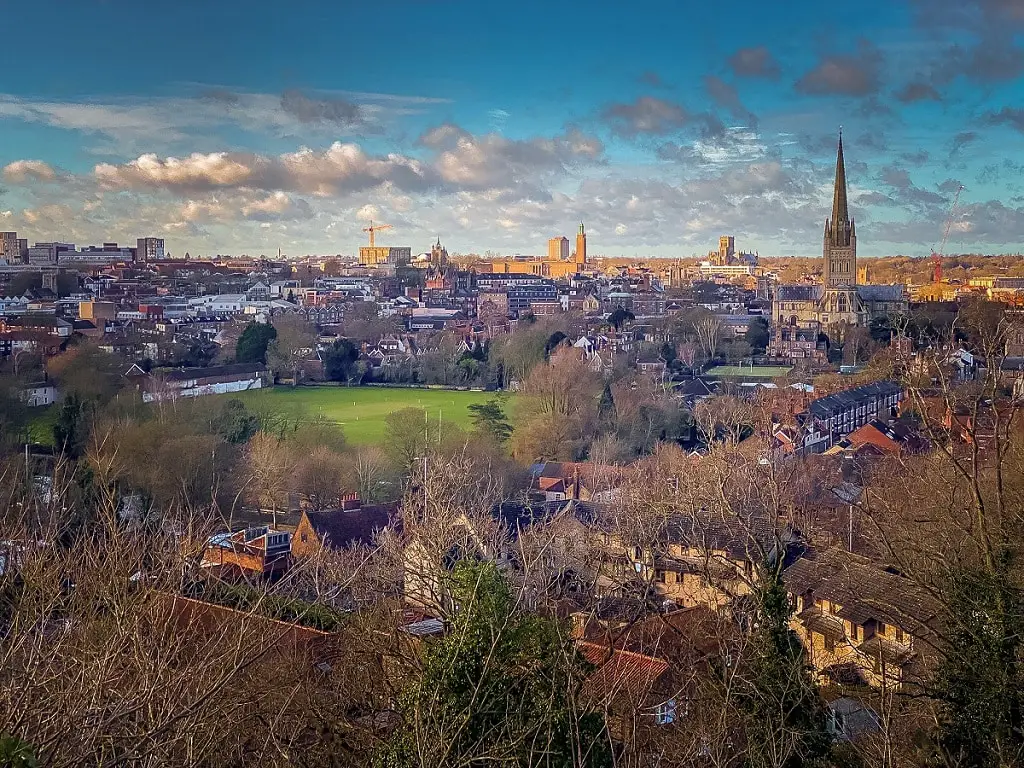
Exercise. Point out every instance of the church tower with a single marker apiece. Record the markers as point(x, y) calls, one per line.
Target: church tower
point(840, 301)
point(581, 246)
point(840, 249)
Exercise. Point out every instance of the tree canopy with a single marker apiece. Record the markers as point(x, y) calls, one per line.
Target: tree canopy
point(501, 688)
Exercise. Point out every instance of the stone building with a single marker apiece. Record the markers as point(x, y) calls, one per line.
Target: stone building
point(838, 300)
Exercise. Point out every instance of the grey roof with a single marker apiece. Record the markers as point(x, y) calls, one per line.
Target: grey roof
point(824, 407)
point(880, 292)
point(237, 369)
point(798, 292)
point(864, 589)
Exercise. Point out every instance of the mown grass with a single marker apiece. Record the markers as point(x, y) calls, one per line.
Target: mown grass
point(361, 411)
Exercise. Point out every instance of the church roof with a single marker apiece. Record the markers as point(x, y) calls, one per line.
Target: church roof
point(880, 292)
point(798, 292)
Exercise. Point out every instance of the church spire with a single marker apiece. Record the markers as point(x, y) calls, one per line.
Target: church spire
point(840, 209)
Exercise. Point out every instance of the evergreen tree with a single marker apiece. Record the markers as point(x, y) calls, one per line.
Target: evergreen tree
point(978, 682)
point(490, 419)
point(72, 426)
point(479, 353)
point(340, 360)
point(553, 341)
point(619, 317)
point(783, 713)
point(252, 344)
point(606, 412)
point(500, 688)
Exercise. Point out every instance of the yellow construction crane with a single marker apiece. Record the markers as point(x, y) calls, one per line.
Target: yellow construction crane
point(373, 229)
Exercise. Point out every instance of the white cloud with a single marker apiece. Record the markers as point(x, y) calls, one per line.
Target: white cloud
point(197, 171)
point(24, 170)
point(368, 213)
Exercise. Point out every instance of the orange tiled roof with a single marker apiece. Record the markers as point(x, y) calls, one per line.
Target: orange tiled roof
point(620, 672)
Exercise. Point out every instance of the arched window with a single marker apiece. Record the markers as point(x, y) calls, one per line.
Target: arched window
point(842, 303)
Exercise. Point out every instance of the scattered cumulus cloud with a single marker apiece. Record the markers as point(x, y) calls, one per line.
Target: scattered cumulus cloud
point(1008, 116)
point(726, 96)
point(325, 110)
point(646, 115)
point(755, 62)
point(917, 91)
point(852, 74)
point(961, 140)
point(25, 170)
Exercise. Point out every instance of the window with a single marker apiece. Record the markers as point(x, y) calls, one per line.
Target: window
point(830, 643)
point(304, 536)
point(880, 628)
point(900, 636)
point(665, 714)
point(659, 576)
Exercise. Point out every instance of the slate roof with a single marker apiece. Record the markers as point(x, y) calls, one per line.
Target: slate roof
point(238, 369)
point(517, 516)
point(340, 528)
point(880, 292)
point(798, 292)
point(824, 407)
point(699, 387)
point(737, 538)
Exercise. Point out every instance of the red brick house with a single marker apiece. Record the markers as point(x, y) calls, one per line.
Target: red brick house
point(350, 525)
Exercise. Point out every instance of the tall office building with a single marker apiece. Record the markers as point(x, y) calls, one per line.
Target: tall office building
point(149, 249)
point(9, 248)
point(42, 254)
point(558, 249)
point(581, 245)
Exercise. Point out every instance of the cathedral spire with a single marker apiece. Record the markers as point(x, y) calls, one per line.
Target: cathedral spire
point(840, 209)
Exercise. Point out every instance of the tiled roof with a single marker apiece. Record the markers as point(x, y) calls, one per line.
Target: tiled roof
point(339, 528)
point(620, 672)
point(864, 590)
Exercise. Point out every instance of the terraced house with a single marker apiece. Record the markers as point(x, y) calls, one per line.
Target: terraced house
point(861, 624)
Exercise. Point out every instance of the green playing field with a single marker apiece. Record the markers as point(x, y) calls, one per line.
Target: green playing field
point(360, 411)
point(746, 372)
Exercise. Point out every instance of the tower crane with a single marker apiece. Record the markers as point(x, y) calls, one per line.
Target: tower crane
point(937, 255)
point(374, 229)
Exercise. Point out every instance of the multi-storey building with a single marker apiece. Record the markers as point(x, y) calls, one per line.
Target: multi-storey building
point(149, 249)
point(521, 297)
point(370, 256)
point(10, 251)
point(558, 249)
point(860, 623)
point(48, 253)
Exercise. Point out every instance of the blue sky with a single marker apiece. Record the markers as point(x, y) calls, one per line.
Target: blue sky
point(250, 126)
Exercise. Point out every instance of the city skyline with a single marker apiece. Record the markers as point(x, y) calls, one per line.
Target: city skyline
point(230, 132)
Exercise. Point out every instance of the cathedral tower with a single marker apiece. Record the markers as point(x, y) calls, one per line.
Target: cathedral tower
point(840, 301)
point(840, 249)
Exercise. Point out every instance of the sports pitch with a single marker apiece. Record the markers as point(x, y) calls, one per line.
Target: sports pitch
point(360, 411)
point(746, 372)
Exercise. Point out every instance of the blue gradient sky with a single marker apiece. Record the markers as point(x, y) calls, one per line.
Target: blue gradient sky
point(249, 126)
